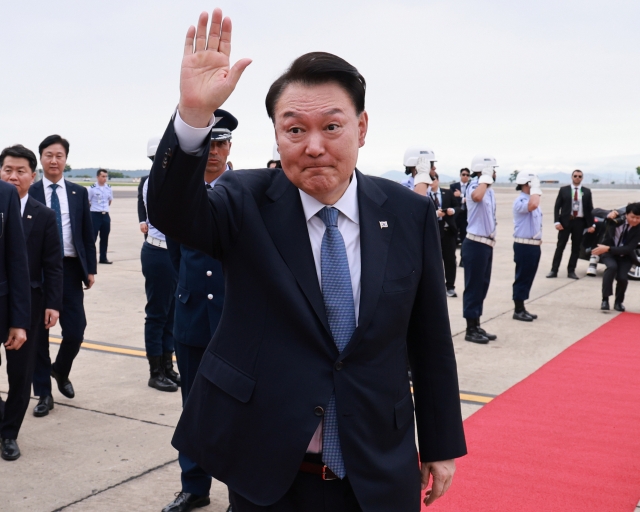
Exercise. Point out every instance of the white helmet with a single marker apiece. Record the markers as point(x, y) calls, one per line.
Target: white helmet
point(276, 153)
point(525, 177)
point(412, 154)
point(482, 161)
point(152, 147)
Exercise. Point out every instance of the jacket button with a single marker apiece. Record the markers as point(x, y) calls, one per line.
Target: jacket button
point(180, 296)
point(319, 411)
point(339, 365)
point(209, 296)
point(208, 273)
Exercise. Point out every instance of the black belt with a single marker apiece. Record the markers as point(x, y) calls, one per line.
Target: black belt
point(309, 465)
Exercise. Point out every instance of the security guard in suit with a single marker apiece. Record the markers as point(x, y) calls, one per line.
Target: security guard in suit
point(100, 198)
point(199, 299)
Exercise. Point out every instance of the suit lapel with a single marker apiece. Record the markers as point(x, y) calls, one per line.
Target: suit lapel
point(374, 249)
point(37, 192)
point(73, 200)
point(285, 221)
point(31, 211)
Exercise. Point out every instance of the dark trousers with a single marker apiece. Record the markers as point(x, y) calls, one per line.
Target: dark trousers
point(527, 258)
point(617, 268)
point(477, 259)
point(448, 245)
point(102, 226)
point(194, 479)
point(574, 229)
point(461, 222)
point(20, 366)
point(73, 323)
point(309, 493)
point(160, 281)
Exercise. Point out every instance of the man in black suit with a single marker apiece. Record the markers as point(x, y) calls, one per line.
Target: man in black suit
point(618, 252)
point(572, 215)
point(71, 206)
point(17, 166)
point(459, 190)
point(302, 400)
point(446, 211)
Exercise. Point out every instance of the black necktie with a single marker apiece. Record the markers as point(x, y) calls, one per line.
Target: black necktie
point(435, 200)
point(623, 235)
point(208, 186)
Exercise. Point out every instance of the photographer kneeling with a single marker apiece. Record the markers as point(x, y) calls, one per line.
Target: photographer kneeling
point(617, 252)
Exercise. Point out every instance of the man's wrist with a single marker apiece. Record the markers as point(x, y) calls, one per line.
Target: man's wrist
point(195, 118)
point(191, 138)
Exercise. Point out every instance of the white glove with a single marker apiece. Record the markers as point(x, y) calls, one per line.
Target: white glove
point(535, 187)
point(423, 165)
point(488, 171)
point(486, 178)
point(422, 178)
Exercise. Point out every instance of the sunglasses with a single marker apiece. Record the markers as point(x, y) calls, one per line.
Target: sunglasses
point(577, 176)
point(464, 174)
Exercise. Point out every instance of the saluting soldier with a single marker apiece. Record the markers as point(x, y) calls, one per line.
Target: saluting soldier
point(100, 198)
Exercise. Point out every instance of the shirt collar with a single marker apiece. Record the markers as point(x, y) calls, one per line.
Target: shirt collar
point(47, 182)
point(212, 184)
point(347, 204)
point(23, 203)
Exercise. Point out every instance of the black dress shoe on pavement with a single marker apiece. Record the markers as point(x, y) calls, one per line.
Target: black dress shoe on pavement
point(10, 450)
point(451, 293)
point(523, 316)
point(186, 501)
point(531, 314)
point(491, 337)
point(474, 336)
point(572, 275)
point(45, 404)
point(106, 262)
point(605, 305)
point(553, 273)
point(618, 306)
point(64, 384)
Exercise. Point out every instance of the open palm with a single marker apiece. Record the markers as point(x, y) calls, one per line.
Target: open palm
point(206, 80)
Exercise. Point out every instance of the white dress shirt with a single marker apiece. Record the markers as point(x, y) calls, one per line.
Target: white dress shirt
point(67, 235)
point(191, 140)
point(154, 232)
point(23, 203)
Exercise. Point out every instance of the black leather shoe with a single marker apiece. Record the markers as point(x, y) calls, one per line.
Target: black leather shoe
point(618, 306)
point(106, 262)
point(64, 384)
point(45, 404)
point(186, 501)
point(451, 293)
point(522, 316)
point(553, 273)
point(10, 450)
point(605, 305)
point(572, 275)
point(474, 336)
point(491, 337)
point(531, 314)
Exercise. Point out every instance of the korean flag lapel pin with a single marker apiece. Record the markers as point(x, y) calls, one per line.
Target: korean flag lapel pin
point(383, 224)
point(28, 216)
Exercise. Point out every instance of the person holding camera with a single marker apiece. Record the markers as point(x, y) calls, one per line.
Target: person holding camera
point(618, 252)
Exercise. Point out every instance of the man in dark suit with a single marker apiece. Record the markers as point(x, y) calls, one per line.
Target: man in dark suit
point(572, 215)
point(302, 400)
point(198, 308)
point(71, 206)
point(459, 190)
point(446, 211)
point(618, 252)
point(18, 166)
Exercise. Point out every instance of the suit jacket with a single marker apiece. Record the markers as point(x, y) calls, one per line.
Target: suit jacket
point(272, 365)
point(199, 295)
point(142, 211)
point(449, 221)
point(15, 292)
point(45, 254)
point(630, 246)
point(457, 186)
point(81, 227)
point(562, 208)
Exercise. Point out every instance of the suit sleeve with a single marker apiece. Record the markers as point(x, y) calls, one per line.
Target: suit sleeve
point(17, 266)
point(142, 211)
point(88, 236)
point(432, 358)
point(174, 253)
point(181, 208)
point(588, 210)
point(557, 207)
point(629, 248)
point(52, 264)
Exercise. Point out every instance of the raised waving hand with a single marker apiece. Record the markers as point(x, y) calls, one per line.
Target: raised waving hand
point(206, 80)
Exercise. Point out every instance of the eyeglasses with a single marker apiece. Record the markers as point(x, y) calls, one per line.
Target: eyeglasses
point(577, 176)
point(465, 174)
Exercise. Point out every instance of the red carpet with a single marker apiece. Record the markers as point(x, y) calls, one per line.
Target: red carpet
point(567, 438)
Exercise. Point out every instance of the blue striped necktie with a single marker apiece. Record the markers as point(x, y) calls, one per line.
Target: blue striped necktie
point(338, 302)
point(55, 206)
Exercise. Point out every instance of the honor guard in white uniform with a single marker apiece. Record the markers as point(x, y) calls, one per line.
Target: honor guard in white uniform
point(527, 239)
point(411, 157)
point(100, 198)
point(477, 248)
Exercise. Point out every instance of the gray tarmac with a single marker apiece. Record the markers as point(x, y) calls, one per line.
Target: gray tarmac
point(109, 448)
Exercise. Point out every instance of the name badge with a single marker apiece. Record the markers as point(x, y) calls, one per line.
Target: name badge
point(575, 206)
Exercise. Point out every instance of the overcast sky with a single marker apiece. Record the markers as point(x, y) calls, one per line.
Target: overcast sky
point(546, 85)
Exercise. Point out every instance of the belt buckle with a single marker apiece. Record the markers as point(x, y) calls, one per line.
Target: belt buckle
point(324, 474)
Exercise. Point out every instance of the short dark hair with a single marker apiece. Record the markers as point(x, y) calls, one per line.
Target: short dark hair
point(434, 176)
point(19, 151)
point(51, 140)
point(319, 68)
point(633, 208)
point(465, 169)
point(102, 170)
point(577, 170)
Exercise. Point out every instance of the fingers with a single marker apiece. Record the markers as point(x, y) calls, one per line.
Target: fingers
point(437, 489)
point(225, 38)
point(214, 31)
point(188, 44)
point(236, 71)
point(201, 32)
